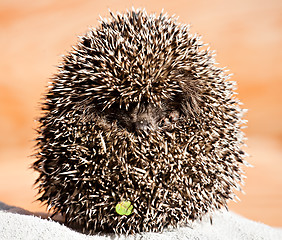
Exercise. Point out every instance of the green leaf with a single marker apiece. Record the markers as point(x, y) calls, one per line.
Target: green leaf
point(124, 208)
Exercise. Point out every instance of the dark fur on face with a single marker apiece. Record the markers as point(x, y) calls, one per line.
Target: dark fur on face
point(148, 117)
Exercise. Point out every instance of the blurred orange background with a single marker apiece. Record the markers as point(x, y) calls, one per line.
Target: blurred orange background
point(247, 35)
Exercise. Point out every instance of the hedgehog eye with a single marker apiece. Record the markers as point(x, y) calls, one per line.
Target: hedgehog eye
point(173, 116)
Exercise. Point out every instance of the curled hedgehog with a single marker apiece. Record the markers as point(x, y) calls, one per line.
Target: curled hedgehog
point(140, 130)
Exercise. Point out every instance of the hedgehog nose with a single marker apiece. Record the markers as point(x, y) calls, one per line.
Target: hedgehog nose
point(143, 125)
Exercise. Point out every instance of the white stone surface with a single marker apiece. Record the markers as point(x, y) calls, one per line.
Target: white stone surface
point(226, 226)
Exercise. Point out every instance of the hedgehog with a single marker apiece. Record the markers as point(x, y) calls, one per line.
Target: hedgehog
point(140, 130)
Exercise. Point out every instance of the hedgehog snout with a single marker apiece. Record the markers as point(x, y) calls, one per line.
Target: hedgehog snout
point(144, 125)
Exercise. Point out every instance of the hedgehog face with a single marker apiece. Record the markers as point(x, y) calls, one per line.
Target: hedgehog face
point(144, 117)
point(138, 114)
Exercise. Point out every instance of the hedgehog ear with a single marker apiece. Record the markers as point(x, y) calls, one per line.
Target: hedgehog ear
point(189, 98)
point(190, 106)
